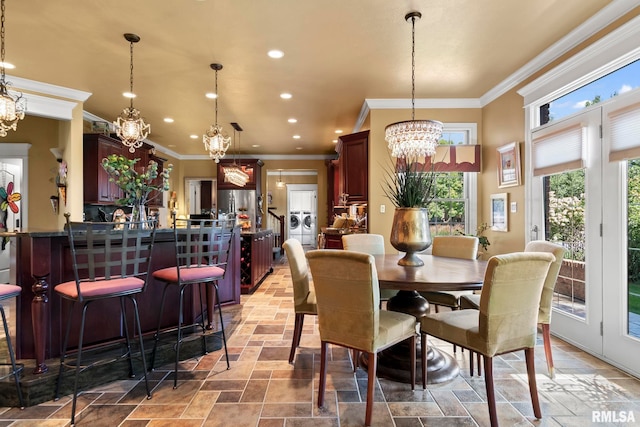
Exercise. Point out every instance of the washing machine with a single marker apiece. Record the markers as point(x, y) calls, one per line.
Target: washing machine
point(295, 225)
point(308, 228)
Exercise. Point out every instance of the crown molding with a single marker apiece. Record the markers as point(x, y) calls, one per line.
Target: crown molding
point(48, 89)
point(398, 104)
point(50, 108)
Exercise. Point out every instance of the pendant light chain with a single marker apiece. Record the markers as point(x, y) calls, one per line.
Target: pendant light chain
point(413, 68)
point(131, 73)
point(216, 103)
point(2, 41)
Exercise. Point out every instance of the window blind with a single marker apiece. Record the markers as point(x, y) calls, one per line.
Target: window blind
point(558, 151)
point(625, 133)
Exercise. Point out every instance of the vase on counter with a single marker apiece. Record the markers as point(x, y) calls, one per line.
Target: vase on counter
point(410, 234)
point(139, 214)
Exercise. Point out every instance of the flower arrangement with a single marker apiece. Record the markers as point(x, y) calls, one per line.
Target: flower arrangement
point(408, 186)
point(137, 186)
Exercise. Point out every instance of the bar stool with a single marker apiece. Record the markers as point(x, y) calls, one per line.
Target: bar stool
point(202, 253)
point(110, 260)
point(8, 292)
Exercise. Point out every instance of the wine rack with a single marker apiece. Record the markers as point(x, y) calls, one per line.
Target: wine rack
point(256, 253)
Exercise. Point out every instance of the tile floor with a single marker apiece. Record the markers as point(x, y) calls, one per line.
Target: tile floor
point(263, 390)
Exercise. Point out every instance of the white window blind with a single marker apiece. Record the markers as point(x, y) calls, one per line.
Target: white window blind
point(558, 151)
point(625, 133)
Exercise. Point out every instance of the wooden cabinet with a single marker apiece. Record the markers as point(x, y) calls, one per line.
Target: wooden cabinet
point(353, 166)
point(251, 167)
point(333, 188)
point(256, 251)
point(97, 188)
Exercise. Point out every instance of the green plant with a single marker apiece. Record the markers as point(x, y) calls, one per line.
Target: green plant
point(483, 241)
point(407, 186)
point(137, 186)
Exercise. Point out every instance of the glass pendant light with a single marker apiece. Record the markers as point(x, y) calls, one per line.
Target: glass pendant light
point(215, 141)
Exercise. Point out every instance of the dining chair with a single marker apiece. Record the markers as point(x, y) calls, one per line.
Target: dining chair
point(464, 247)
point(349, 314)
point(372, 244)
point(544, 311)
point(304, 297)
point(8, 292)
point(505, 322)
point(110, 260)
point(202, 251)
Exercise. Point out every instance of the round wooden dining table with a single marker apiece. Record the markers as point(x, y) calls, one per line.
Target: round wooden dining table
point(437, 274)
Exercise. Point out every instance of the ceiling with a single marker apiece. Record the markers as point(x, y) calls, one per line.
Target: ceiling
point(337, 53)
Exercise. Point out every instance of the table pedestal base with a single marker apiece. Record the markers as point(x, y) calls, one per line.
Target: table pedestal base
point(395, 363)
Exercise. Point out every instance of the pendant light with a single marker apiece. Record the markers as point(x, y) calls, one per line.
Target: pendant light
point(130, 127)
point(234, 173)
point(215, 142)
point(280, 183)
point(413, 139)
point(12, 107)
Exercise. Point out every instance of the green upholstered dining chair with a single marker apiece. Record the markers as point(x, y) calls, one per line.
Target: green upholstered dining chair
point(372, 244)
point(304, 297)
point(465, 247)
point(202, 249)
point(544, 311)
point(506, 321)
point(349, 314)
point(110, 260)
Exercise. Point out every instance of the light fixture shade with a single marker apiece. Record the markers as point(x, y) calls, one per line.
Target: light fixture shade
point(413, 139)
point(280, 184)
point(12, 109)
point(235, 175)
point(216, 143)
point(131, 129)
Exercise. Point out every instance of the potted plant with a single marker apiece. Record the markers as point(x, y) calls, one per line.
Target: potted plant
point(410, 189)
point(483, 241)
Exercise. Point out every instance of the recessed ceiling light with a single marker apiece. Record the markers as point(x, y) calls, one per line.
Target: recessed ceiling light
point(298, 148)
point(335, 141)
point(275, 53)
point(296, 136)
point(194, 136)
point(292, 120)
point(338, 130)
point(128, 94)
point(7, 65)
point(168, 120)
point(171, 145)
point(256, 145)
point(211, 95)
point(285, 95)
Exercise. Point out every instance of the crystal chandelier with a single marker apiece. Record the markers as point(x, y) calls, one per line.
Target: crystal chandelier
point(216, 142)
point(413, 139)
point(234, 173)
point(12, 107)
point(130, 127)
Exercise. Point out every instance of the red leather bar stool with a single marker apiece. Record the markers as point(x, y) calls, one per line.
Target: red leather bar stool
point(8, 292)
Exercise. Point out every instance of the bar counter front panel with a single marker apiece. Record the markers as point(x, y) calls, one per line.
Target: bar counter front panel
point(42, 260)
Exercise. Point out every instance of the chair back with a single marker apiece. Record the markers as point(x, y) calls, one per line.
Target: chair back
point(299, 271)
point(509, 300)
point(368, 243)
point(465, 247)
point(108, 250)
point(544, 312)
point(202, 243)
point(346, 286)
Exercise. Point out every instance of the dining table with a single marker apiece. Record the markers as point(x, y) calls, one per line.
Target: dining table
point(437, 274)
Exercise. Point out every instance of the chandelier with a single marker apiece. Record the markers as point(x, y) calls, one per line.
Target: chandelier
point(216, 142)
point(130, 127)
point(234, 173)
point(12, 107)
point(413, 139)
point(280, 183)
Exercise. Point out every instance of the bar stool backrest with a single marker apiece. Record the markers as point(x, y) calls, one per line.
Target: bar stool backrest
point(108, 250)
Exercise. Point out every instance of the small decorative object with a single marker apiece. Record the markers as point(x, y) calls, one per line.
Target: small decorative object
point(344, 198)
point(55, 201)
point(508, 165)
point(410, 190)
point(137, 186)
point(499, 218)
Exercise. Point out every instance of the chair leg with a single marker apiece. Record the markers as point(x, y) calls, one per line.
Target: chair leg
point(478, 357)
point(423, 359)
point(323, 373)
point(142, 355)
point(355, 356)
point(533, 388)
point(64, 351)
point(78, 361)
point(179, 337)
point(412, 346)
point(546, 336)
point(471, 356)
point(157, 334)
point(123, 313)
point(224, 337)
point(371, 383)
point(202, 323)
point(297, 332)
point(491, 396)
point(15, 372)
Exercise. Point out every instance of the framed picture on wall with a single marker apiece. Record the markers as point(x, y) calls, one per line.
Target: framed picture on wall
point(509, 165)
point(499, 218)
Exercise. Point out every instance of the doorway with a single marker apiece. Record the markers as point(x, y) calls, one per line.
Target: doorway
point(303, 213)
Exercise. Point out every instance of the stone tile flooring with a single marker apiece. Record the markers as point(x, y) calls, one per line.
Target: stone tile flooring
point(262, 390)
